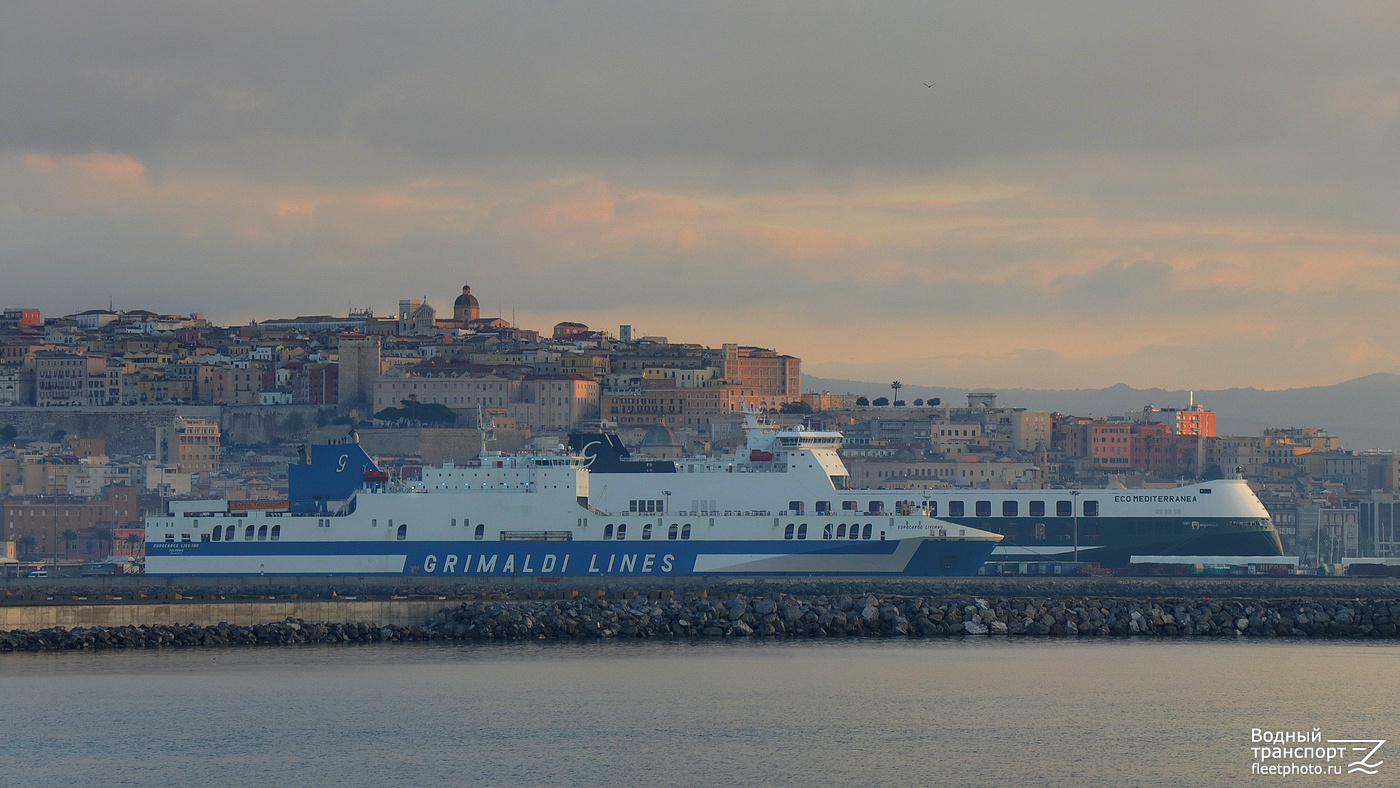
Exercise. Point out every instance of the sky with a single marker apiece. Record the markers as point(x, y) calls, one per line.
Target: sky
point(1188, 195)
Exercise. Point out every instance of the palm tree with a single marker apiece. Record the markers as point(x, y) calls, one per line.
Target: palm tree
point(896, 386)
point(26, 544)
point(133, 540)
point(68, 536)
point(104, 535)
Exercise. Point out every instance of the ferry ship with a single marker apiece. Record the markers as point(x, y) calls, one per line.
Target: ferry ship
point(1106, 526)
point(553, 515)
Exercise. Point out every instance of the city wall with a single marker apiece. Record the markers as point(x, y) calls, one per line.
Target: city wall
point(130, 429)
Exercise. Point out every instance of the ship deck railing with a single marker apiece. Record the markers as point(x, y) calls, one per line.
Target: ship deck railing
point(736, 467)
point(537, 536)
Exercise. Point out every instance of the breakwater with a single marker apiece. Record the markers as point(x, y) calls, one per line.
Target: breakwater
point(663, 614)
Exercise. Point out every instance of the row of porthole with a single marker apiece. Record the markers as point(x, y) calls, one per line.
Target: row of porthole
point(261, 533)
point(799, 531)
point(956, 508)
point(676, 531)
point(248, 533)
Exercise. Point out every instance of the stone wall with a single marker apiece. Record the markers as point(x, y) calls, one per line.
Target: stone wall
point(131, 429)
point(400, 612)
point(127, 430)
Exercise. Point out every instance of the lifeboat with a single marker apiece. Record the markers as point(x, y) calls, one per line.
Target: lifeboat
point(759, 455)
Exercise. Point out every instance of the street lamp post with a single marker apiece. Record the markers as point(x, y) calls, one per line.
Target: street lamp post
point(1074, 494)
point(53, 533)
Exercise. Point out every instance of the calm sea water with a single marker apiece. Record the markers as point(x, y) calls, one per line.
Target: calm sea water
point(939, 712)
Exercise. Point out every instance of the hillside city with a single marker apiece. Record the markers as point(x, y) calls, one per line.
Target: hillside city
point(105, 415)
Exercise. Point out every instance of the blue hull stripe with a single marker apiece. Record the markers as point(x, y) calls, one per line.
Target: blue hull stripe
point(913, 557)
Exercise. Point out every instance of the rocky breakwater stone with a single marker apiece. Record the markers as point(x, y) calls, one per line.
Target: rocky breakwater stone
point(843, 615)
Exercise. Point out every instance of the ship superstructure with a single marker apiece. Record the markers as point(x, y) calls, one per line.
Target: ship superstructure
point(549, 514)
point(1222, 517)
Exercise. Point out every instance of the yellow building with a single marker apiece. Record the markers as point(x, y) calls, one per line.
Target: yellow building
point(189, 445)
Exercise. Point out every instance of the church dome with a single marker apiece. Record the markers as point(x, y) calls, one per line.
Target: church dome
point(660, 442)
point(466, 308)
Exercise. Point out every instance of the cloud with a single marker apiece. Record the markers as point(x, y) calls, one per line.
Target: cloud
point(1186, 195)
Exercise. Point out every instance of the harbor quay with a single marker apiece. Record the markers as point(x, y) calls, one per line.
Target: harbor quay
point(79, 619)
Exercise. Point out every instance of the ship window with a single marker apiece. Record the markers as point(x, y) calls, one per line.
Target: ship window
point(787, 532)
point(480, 532)
point(202, 538)
point(622, 531)
point(262, 533)
point(849, 506)
point(646, 531)
point(685, 531)
point(865, 532)
point(671, 534)
point(876, 507)
point(1040, 532)
point(228, 533)
point(841, 531)
point(984, 508)
point(276, 532)
point(802, 531)
point(795, 507)
point(607, 531)
point(933, 508)
point(955, 509)
point(185, 537)
point(855, 530)
point(1009, 508)
point(454, 522)
point(248, 534)
point(826, 531)
point(1037, 509)
point(215, 534)
point(823, 507)
point(403, 532)
point(1064, 509)
point(170, 537)
point(1091, 508)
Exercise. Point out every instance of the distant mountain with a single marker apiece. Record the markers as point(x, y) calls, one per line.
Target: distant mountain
point(1364, 413)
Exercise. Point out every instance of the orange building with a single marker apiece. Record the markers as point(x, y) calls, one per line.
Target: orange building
point(1110, 445)
point(761, 377)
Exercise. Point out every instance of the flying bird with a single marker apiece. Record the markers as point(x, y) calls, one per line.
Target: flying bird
point(929, 85)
